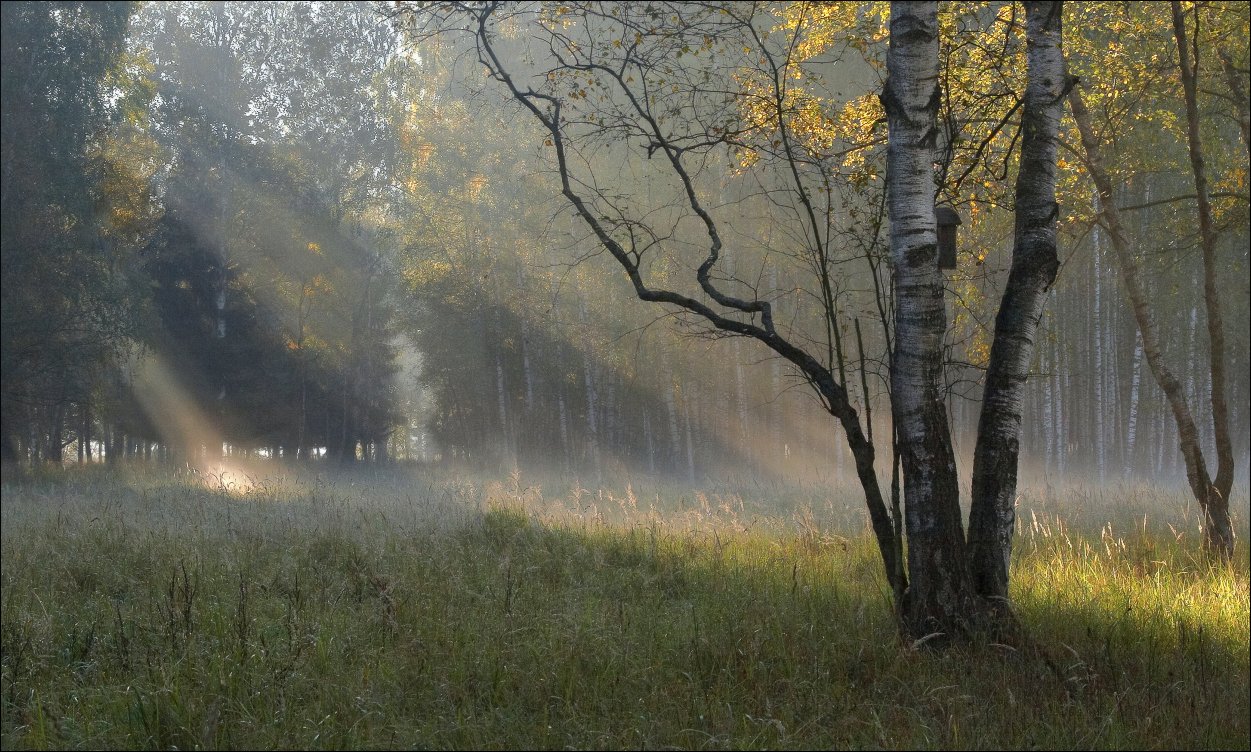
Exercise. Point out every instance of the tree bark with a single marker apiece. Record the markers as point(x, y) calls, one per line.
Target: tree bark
point(82, 437)
point(940, 596)
point(56, 448)
point(722, 311)
point(1224, 481)
point(1034, 267)
point(1131, 432)
point(1099, 372)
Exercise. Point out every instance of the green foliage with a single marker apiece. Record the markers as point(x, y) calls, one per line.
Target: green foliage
point(66, 306)
point(272, 284)
point(145, 611)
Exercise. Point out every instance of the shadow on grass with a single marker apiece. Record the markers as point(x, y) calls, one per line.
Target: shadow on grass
point(515, 630)
point(797, 634)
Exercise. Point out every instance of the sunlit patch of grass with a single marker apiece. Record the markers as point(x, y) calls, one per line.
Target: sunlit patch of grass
point(387, 611)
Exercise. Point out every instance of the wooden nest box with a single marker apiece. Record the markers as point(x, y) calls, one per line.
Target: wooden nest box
point(947, 220)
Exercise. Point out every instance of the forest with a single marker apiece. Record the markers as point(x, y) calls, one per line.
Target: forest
point(625, 374)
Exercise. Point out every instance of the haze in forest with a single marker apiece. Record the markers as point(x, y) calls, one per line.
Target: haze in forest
point(656, 374)
point(253, 235)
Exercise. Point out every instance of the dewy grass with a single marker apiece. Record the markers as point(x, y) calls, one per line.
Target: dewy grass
point(157, 611)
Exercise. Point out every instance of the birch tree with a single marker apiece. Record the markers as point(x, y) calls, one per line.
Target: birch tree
point(1188, 70)
point(941, 587)
point(1034, 267)
point(1161, 87)
point(660, 86)
point(1218, 531)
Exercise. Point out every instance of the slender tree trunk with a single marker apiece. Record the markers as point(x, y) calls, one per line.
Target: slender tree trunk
point(940, 597)
point(87, 430)
point(563, 414)
point(1098, 372)
point(56, 450)
point(82, 441)
point(591, 394)
point(690, 444)
point(740, 395)
point(777, 411)
point(649, 443)
point(33, 441)
point(9, 451)
point(609, 414)
point(1162, 440)
point(671, 409)
point(1224, 481)
point(592, 408)
point(526, 370)
point(836, 450)
point(1062, 411)
point(1131, 429)
point(502, 404)
point(1034, 267)
point(302, 431)
point(1218, 531)
point(1190, 372)
point(1048, 405)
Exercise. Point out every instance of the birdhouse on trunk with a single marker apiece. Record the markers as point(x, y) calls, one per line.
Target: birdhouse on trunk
point(947, 220)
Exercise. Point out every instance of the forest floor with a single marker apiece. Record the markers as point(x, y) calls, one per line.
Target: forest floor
point(145, 609)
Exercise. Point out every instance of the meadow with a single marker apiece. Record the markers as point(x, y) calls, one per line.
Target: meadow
point(150, 609)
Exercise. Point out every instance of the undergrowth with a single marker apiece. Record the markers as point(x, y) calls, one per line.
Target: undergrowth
point(155, 611)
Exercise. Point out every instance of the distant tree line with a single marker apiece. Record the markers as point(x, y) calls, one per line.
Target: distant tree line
point(345, 249)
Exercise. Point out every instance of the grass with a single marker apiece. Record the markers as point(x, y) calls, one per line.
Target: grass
point(148, 611)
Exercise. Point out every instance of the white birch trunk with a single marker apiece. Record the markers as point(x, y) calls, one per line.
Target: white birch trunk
point(1100, 456)
point(1063, 407)
point(503, 405)
point(938, 599)
point(1131, 428)
point(1048, 411)
point(1034, 266)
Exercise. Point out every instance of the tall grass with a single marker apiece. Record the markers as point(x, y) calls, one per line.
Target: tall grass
point(150, 610)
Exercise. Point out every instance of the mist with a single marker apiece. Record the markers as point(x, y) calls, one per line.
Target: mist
point(625, 375)
point(345, 244)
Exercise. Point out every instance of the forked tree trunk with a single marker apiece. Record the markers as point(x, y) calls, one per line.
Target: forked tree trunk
point(942, 597)
point(1034, 267)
